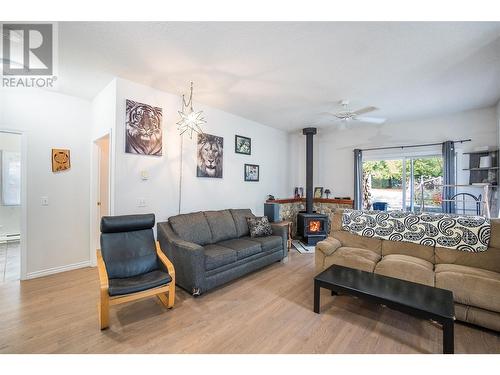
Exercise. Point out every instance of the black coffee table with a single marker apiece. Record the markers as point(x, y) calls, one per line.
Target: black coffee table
point(423, 301)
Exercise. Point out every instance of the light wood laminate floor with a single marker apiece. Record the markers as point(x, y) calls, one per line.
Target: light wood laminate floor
point(269, 311)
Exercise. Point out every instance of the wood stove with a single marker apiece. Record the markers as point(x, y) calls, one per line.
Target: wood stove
point(311, 226)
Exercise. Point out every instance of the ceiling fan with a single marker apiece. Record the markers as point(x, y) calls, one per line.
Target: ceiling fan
point(345, 114)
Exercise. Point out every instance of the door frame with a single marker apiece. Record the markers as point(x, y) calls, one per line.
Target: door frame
point(95, 190)
point(24, 200)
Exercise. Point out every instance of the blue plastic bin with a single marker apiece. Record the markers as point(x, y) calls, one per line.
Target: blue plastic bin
point(380, 206)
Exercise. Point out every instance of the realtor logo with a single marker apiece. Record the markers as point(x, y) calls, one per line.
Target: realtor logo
point(29, 55)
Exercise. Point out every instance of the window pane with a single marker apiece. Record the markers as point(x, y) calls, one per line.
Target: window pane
point(428, 180)
point(383, 183)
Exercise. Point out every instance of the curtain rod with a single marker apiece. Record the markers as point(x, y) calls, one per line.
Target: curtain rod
point(410, 146)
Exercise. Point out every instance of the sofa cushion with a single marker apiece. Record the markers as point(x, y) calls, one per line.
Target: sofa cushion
point(488, 260)
point(240, 220)
point(470, 286)
point(192, 228)
point(244, 248)
point(259, 226)
point(408, 248)
point(495, 233)
point(353, 240)
point(361, 259)
point(477, 316)
point(138, 283)
point(221, 225)
point(217, 256)
point(336, 224)
point(267, 243)
point(328, 245)
point(406, 267)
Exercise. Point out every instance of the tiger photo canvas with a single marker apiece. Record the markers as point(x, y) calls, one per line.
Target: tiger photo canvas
point(210, 156)
point(143, 129)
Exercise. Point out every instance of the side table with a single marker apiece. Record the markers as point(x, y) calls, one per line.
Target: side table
point(289, 225)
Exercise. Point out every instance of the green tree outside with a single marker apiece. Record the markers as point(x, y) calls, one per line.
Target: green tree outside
point(387, 173)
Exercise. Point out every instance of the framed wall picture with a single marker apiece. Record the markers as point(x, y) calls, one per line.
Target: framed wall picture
point(242, 145)
point(143, 129)
point(61, 160)
point(318, 192)
point(251, 172)
point(210, 156)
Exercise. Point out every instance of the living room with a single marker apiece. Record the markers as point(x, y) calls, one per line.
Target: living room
point(252, 187)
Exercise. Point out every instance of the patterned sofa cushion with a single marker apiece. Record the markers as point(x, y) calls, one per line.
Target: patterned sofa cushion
point(461, 232)
point(259, 226)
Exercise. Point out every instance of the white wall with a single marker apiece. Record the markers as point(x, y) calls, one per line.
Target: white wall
point(103, 111)
point(269, 150)
point(57, 234)
point(103, 121)
point(10, 216)
point(334, 148)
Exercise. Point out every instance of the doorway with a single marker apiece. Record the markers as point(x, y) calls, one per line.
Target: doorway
point(101, 197)
point(10, 206)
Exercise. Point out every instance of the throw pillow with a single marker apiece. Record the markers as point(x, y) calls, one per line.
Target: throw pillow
point(259, 226)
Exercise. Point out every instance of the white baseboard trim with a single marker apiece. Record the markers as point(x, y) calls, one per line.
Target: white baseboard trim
point(51, 271)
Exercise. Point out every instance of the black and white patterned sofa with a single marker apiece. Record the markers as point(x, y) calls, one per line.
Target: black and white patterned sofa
point(211, 248)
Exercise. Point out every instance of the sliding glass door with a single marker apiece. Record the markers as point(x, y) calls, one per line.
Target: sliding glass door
point(384, 183)
point(409, 183)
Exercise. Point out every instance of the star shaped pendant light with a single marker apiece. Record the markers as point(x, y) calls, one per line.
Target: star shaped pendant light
point(190, 121)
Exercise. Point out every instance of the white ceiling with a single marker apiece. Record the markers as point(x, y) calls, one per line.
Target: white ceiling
point(284, 74)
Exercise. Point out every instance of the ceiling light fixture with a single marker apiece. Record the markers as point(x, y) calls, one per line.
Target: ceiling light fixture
point(190, 121)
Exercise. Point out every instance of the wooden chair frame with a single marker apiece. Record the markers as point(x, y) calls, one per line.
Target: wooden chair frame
point(161, 292)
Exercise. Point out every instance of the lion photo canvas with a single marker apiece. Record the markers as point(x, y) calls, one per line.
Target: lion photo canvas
point(143, 129)
point(210, 152)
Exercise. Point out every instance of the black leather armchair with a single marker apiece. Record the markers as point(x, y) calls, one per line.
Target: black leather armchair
point(131, 264)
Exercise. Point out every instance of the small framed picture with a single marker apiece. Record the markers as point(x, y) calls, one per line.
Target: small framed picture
point(242, 145)
point(60, 160)
point(251, 172)
point(318, 192)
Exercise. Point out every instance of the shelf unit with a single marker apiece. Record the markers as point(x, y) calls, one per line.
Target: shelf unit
point(480, 169)
point(478, 175)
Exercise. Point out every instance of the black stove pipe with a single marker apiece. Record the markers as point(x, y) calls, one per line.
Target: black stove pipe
point(309, 133)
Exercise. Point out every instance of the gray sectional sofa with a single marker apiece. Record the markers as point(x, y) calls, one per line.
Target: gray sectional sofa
point(211, 248)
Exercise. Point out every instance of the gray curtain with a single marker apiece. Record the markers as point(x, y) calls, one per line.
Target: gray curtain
point(449, 176)
point(358, 179)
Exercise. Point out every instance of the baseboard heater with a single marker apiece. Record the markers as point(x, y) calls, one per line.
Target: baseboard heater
point(10, 237)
